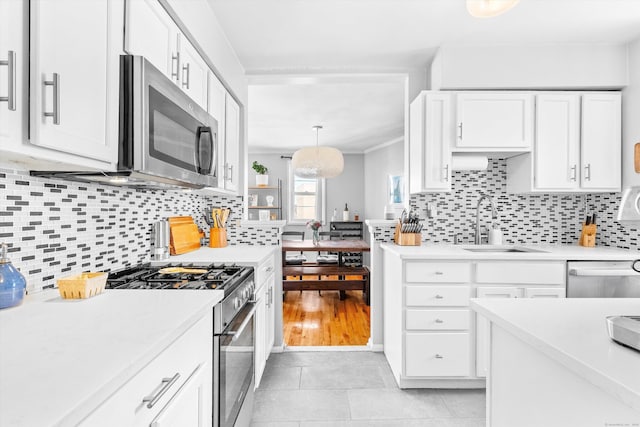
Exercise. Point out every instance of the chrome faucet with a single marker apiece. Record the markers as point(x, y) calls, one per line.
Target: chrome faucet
point(494, 215)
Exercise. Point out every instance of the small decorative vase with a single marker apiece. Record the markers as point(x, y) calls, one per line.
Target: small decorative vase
point(316, 237)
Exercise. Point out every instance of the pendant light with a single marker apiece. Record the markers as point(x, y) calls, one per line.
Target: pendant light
point(317, 162)
point(489, 8)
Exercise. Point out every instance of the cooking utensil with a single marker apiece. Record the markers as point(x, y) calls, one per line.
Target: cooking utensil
point(174, 270)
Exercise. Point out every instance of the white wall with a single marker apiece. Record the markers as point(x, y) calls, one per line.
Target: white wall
point(631, 117)
point(378, 164)
point(573, 66)
point(347, 187)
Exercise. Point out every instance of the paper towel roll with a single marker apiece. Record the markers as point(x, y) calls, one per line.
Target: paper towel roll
point(467, 162)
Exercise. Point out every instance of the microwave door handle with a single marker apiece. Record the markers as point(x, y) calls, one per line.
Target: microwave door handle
point(199, 164)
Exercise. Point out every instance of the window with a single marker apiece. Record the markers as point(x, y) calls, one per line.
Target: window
point(306, 198)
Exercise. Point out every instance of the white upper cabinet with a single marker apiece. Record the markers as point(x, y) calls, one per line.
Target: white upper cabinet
point(601, 142)
point(577, 145)
point(557, 146)
point(194, 72)
point(430, 136)
point(151, 32)
point(232, 145)
point(13, 56)
point(217, 106)
point(75, 46)
point(492, 121)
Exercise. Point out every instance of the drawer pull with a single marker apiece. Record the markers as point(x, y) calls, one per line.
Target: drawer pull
point(167, 383)
point(269, 269)
point(439, 321)
point(439, 297)
point(439, 273)
point(439, 356)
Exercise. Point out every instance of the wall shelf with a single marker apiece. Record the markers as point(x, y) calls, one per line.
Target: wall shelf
point(268, 190)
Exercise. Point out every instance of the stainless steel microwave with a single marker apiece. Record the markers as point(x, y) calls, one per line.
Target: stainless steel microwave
point(165, 138)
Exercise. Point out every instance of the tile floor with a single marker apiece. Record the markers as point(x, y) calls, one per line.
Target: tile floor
point(344, 389)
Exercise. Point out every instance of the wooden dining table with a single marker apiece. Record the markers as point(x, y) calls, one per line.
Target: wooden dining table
point(349, 277)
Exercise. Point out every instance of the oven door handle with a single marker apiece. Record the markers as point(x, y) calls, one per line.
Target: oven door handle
point(238, 332)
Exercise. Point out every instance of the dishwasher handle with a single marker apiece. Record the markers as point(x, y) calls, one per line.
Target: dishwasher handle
point(605, 272)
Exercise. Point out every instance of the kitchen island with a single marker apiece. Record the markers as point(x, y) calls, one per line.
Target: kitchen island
point(552, 363)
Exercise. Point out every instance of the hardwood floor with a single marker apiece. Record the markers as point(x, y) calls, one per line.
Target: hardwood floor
point(323, 320)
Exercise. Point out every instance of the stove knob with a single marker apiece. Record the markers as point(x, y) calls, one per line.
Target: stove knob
point(236, 303)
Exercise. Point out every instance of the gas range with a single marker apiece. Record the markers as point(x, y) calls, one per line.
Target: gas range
point(179, 276)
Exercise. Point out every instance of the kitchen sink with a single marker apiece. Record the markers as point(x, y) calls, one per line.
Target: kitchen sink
point(501, 249)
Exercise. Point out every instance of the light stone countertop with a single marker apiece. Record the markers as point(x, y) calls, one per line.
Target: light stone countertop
point(240, 254)
point(573, 332)
point(60, 359)
point(542, 252)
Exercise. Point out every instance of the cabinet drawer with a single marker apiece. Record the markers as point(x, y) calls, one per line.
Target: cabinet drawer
point(437, 355)
point(437, 319)
point(437, 296)
point(542, 273)
point(181, 359)
point(265, 269)
point(437, 272)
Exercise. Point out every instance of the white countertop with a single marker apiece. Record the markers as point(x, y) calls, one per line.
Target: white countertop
point(573, 332)
point(547, 252)
point(240, 254)
point(59, 359)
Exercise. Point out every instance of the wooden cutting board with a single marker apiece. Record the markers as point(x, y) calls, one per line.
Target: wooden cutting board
point(185, 236)
point(636, 161)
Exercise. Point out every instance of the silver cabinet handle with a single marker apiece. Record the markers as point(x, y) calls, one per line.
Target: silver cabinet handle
point(439, 321)
point(166, 385)
point(175, 58)
point(574, 173)
point(439, 356)
point(439, 273)
point(10, 62)
point(270, 269)
point(230, 168)
point(270, 296)
point(587, 172)
point(439, 297)
point(460, 130)
point(446, 173)
point(185, 81)
point(55, 82)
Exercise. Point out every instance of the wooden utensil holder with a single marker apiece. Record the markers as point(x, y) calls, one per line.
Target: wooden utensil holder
point(588, 235)
point(217, 237)
point(406, 239)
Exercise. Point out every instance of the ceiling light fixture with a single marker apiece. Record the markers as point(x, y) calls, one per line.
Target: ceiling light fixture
point(489, 8)
point(317, 162)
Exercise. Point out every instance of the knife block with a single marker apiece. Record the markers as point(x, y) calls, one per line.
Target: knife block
point(406, 239)
point(217, 237)
point(588, 235)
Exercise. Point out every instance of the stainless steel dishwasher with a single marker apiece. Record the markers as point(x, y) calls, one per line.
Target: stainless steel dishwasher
point(603, 279)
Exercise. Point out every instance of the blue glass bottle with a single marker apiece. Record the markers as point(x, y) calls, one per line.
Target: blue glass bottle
point(12, 282)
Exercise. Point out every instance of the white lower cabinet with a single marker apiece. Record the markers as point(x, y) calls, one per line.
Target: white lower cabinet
point(265, 314)
point(431, 338)
point(437, 354)
point(483, 334)
point(175, 385)
point(186, 408)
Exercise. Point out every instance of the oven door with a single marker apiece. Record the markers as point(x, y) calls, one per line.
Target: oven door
point(235, 353)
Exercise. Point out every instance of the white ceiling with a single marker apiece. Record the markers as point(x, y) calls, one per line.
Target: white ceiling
point(309, 37)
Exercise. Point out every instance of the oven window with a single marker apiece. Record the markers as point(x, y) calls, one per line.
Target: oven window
point(172, 132)
point(236, 370)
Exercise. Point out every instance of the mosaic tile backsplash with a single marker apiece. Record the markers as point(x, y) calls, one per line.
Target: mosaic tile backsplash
point(56, 228)
point(534, 219)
